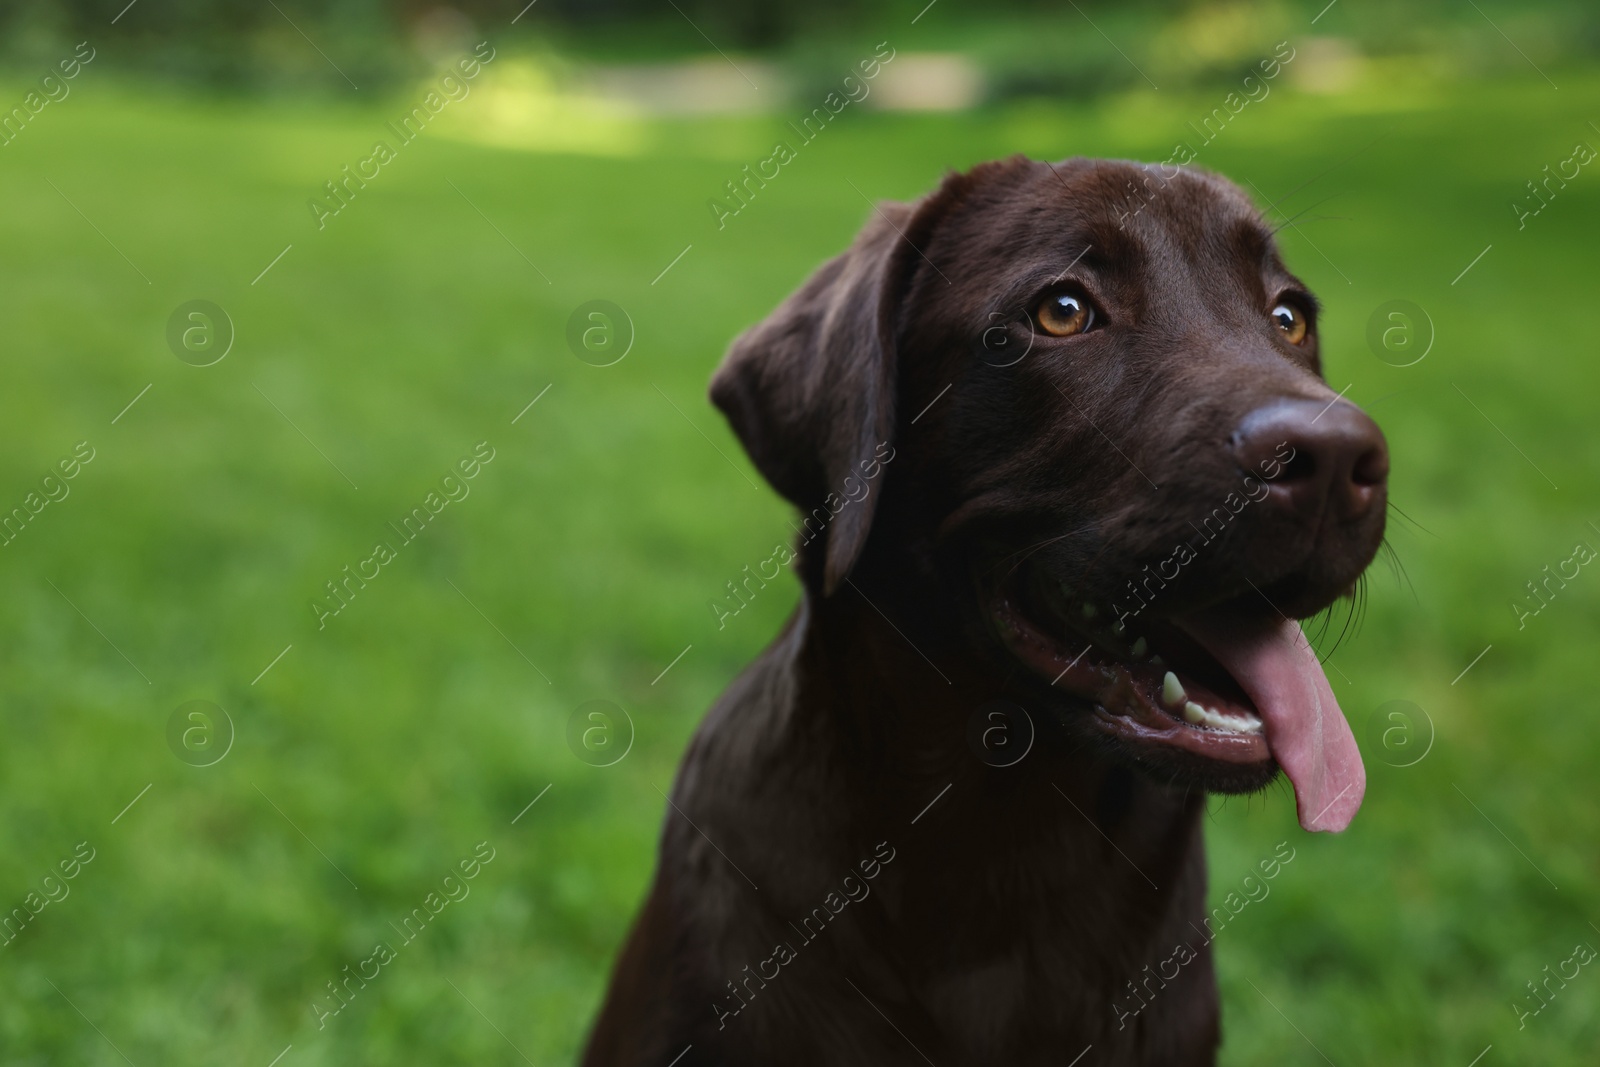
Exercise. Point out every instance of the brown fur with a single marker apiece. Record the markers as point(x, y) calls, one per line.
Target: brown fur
point(1015, 910)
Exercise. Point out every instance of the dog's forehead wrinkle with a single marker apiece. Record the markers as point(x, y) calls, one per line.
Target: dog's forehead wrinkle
point(1156, 269)
point(1122, 228)
point(1207, 218)
point(1206, 260)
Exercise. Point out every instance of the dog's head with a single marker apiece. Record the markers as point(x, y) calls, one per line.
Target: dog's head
point(1091, 398)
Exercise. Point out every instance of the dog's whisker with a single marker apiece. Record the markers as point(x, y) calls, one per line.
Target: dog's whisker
point(1024, 553)
point(1407, 518)
point(1083, 575)
point(1397, 567)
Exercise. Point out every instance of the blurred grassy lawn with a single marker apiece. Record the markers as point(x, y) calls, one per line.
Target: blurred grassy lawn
point(410, 729)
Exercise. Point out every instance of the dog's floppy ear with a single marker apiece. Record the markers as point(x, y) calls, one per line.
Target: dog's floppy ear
point(810, 390)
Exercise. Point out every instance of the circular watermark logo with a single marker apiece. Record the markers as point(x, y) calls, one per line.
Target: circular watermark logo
point(200, 333)
point(1399, 733)
point(599, 332)
point(1000, 349)
point(599, 732)
point(199, 733)
point(1400, 333)
point(1000, 733)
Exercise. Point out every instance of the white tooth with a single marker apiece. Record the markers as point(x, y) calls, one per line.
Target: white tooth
point(1088, 610)
point(1232, 724)
point(1157, 661)
point(1140, 647)
point(1194, 712)
point(1117, 627)
point(1172, 694)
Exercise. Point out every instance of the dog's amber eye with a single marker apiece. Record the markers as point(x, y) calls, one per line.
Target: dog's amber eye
point(1064, 314)
point(1291, 321)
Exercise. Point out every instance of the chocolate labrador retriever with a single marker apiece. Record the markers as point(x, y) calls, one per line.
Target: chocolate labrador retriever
point(1069, 473)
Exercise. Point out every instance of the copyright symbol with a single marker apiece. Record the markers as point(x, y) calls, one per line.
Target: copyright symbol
point(1000, 733)
point(199, 733)
point(200, 333)
point(600, 333)
point(1399, 733)
point(1400, 333)
point(999, 348)
point(599, 732)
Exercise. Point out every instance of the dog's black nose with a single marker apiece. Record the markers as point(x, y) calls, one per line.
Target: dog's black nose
point(1325, 455)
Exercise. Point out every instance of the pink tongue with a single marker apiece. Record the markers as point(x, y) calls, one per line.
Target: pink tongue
point(1306, 731)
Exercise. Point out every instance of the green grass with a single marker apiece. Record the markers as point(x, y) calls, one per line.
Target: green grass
point(410, 728)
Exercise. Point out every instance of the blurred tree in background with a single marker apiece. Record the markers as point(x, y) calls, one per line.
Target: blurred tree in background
point(1028, 47)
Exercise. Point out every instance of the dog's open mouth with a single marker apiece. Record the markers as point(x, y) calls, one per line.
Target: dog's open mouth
point(1227, 695)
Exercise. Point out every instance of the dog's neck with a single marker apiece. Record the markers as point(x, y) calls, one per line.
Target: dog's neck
point(1050, 892)
point(883, 680)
